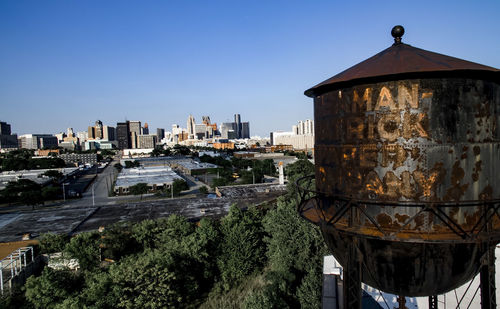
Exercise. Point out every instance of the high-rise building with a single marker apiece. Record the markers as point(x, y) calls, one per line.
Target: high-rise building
point(146, 141)
point(191, 126)
point(96, 132)
point(301, 137)
point(160, 133)
point(4, 128)
point(108, 133)
point(135, 130)
point(236, 129)
point(7, 140)
point(245, 130)
point(135, 126)
point(82, 136)
point(123, 135)
point(145, 130)
point(237, 125)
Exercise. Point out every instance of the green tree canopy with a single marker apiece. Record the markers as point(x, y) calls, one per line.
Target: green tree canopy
point(51, 287)
point(85, 248)
point(241, 249)
point(139, 189)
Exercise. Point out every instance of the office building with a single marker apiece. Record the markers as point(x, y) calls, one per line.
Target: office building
point(37, 141)
point(301, 137)
point(135, 130)
point(95, 132)
point(160, 134)
point(4, 128)
point(146, 141)
point(123, 135)
point(108, 133)
point(82, 136)
point(7, 140)
point(191, 126)
point(145, 130)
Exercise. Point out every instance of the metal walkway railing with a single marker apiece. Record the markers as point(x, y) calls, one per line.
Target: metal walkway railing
point(14, 263)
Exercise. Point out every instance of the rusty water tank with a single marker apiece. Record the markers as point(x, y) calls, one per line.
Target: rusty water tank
point(407, 156)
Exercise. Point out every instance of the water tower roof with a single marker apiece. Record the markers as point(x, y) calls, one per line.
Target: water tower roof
point(403, 61)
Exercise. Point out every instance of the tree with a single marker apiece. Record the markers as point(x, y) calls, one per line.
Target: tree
point(117, 241)
point(50, 193)
point(139, 189)
point(51, 243)
point(179, 185)
point(295, 171)
point(85, 248)
point(242, 248)
point(131, 164)
point(118, 167)
point(203, 190)
point(51, 287)
point(154, 279)
point(181, 150)
point(220, 182)
point(156, 152)
point(54, 174)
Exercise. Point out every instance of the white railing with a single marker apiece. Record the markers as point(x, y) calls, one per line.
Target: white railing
point(14, 263)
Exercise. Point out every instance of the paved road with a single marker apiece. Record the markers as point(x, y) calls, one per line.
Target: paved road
point(98, 190)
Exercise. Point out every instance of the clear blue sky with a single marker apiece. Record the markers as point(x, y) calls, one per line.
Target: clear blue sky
point(68, 63)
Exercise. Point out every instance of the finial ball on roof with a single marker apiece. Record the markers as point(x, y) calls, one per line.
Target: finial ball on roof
point(397, 32)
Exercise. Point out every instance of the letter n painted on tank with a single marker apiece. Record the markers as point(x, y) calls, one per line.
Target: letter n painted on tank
point(364, 103)
point(404, 96)
point(392, 184)
point(385, 100)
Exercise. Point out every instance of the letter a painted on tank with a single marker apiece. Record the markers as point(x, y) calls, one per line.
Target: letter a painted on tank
point(385, 100)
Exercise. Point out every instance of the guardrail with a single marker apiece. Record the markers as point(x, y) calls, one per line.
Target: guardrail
point(14, 264)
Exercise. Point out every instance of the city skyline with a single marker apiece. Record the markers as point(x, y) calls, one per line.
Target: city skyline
point(65, 64)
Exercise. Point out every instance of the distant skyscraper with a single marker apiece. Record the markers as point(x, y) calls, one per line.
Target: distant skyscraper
point(4, 128)
point(123, 135)
point(191, 125)
point(134, 131)
point(160, 133)
point(135, 126)
point(145, 130)
point(7, 140)
point(108, 133)
point(146, 141)
point(245, 130)
point(95, 132)
point(237, 125)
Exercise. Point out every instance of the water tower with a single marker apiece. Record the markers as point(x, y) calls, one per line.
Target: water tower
point(407, 172)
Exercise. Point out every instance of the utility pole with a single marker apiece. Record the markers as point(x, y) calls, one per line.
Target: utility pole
point(93, 199)
point(64, 193)
point(172, 189)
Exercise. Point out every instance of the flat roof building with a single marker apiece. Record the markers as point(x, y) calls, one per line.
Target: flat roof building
point(157, 178)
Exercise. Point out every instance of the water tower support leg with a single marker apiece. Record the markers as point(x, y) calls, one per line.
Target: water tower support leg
point(487, 280)
point(433, 302)
point(352, 278)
